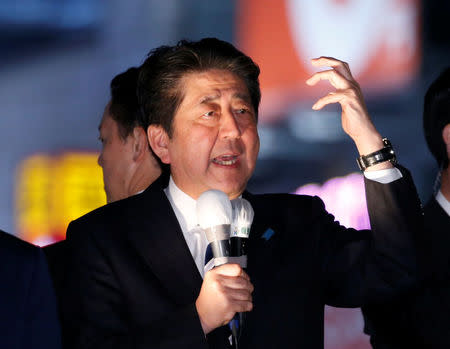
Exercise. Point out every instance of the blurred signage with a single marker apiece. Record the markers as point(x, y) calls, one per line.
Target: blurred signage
point(53, 190)
point(378, 38)
point(344, 197)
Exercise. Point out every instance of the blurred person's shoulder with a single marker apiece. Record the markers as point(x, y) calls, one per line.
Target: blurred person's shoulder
point(115, 216)
point(13, 246)
point(18, 258)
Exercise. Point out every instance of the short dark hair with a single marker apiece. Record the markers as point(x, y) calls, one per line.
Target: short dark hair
point(124, 108)
point(159, 90)
point(436, 114)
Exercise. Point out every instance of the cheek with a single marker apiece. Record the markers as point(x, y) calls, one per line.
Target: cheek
point(252, 145)
point(110, 161)
point(196, 145)
point(106, 154)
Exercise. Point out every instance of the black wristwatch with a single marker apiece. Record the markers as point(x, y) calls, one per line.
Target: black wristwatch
point(385, 154)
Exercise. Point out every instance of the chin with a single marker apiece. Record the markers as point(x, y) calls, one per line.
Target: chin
point(232, 191)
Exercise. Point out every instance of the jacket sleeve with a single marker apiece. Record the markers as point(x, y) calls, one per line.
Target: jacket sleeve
point(362, 267)
point(42, 328)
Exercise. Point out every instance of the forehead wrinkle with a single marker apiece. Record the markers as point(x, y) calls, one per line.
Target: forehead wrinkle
point(213, 97)
point(213, 93)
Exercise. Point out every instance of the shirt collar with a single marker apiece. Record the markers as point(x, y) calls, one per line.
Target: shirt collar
point(184, 206)
point(443, 202)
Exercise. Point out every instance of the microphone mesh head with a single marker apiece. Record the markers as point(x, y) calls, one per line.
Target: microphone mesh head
point(242, 217)
point(213, 209)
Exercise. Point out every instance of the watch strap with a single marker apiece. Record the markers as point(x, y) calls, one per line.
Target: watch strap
point(384, 154)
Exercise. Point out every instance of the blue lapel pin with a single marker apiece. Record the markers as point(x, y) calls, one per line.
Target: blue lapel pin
point(268, 234)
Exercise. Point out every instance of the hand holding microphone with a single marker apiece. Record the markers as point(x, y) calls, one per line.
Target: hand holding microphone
point(226, 289)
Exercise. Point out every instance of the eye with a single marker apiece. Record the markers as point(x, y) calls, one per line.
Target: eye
point(242, 111)
point(246, 113)
point(209, 114)
point(101, 140)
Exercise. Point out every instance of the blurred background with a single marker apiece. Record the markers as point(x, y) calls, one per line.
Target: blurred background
point(57, 58)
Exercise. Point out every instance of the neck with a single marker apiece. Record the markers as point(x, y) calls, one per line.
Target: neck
point(145, 174)
point(445, 183)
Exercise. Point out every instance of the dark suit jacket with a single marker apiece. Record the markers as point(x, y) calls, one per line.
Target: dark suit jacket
point(56, 255)
point(134, 281)
point(28, 317)
point(419, 318)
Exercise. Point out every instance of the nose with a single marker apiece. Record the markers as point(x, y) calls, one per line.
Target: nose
point(229, 126)
point(100, 159)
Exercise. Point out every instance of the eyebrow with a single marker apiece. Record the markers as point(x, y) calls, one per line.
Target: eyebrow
point(208, 99)
point(242, 96)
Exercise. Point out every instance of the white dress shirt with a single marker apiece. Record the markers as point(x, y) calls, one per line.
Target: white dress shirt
point(185, 210)
point(443, 202)
point(385, 176)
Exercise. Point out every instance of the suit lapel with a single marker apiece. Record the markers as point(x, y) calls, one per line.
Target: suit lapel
point(157, 236)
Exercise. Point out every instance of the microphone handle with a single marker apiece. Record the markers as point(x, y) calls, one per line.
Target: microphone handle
point(238, 249)
point(238, 246)
point(220, 248)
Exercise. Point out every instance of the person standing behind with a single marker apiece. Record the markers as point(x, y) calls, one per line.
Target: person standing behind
point(28, 315)
point(126, 159)
point(436, 123)
point(420, 319)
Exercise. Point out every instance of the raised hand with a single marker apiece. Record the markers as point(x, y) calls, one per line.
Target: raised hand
point(356, 121)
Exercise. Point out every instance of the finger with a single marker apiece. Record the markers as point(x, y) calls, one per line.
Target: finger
point(236, 283)
point(332, 97)
point(243, 306)
point(335, 78)
point(230, 269)
point(237, 307)
point(341, 66)
point(238, 295)
point(245, 275)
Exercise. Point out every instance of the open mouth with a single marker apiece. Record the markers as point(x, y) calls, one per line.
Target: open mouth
point(225, 160)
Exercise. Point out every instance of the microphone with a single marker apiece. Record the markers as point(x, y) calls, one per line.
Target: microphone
point(214, 214)
point(242, 221)
point(240, 230)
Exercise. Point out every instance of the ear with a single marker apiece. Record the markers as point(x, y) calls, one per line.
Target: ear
point(159, 140)
point(140, 143)
point(446, 134)
point(446, 137)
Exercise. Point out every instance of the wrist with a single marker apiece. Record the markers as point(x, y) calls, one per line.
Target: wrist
point(369, 143)
point(205, 327)
point(383, 158)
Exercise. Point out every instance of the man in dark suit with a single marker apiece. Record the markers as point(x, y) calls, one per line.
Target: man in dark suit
point(137, 277)
point(420, 319)
point(28, 316)
point(127, 161)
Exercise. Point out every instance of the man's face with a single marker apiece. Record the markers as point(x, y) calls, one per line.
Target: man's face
point(215, 141)
point(116, 158)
